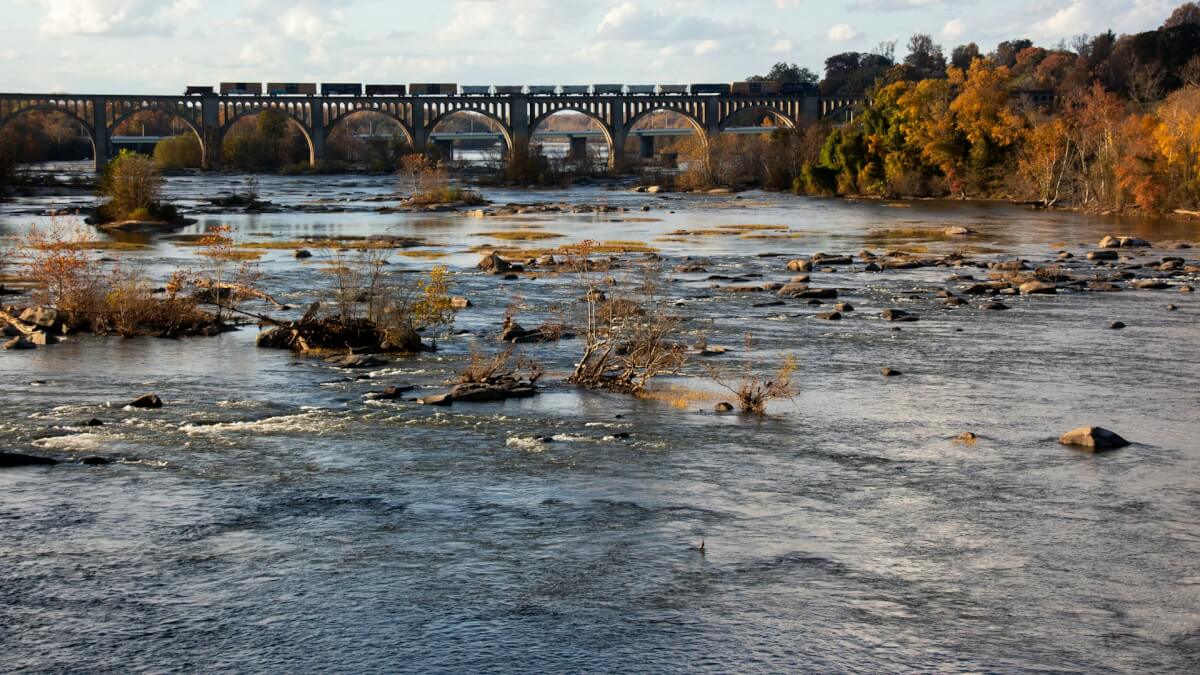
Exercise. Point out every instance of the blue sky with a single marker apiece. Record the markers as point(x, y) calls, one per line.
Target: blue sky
point(148, 46)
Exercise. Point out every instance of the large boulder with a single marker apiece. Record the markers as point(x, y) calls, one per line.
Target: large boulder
point(1095, 439)
point(828, 259)
point(10, 460)
point(42, 317)
point(146, 401)
point(1038, 288)
point(492, 263)
point(799, 265)
point(1102, 255)
point(1110, 241)
point(355, 361)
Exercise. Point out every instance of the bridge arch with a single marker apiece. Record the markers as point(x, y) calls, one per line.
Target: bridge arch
point(782, 120)
point(505, 131)
point(191, 125)
point(701, 132)
point(253, 110)
point(600, 122)
point(54, 108)
point(404, 126)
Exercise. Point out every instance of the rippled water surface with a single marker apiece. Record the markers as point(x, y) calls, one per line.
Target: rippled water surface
point(267, 519)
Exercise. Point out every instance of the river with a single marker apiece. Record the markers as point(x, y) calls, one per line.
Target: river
point(268, 520)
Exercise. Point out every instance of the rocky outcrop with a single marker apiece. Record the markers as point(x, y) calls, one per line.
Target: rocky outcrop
point(10, 460)
point(1095, 439)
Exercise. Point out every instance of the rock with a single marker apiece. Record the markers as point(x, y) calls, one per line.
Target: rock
point(41, 338)
point(826, 259)
point(1010, 266)
point(800, 265)
point(355, 361)
point(390, 393)
point(92, 423)
point(1110, 242)
point(10, 460)
point(492, 263)
point(436, 399)
point(830, 316)
point(1133, 242)
point(954, 301)
point(690, 268)
point(724, 407)
point(301, 254)
point(956, 231)
point(482, 392)
point(897, 315)
point(1151, 284)
point(826, 293)
point(146, 401)
point(872, 267)
point(1038, 288)
point(966, 438)
point(1102, 255)
point(978, 289)
point(19, 343)
point(459, 302)
point(995, 306)
point(93, 461)
point(1065, 255)
point(1116, 325)
point(1185, 289)
point(655, 189)
point(800, 279)
point(43, 317)
point(713, 350)
point(1171, 307)
point(844, 307)
point(1095, 439)
point(889, 372)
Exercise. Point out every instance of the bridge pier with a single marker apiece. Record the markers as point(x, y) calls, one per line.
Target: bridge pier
point(210, 130)
point(317, 150)
point(578, 151)
point(646, 147)
point(100, 133)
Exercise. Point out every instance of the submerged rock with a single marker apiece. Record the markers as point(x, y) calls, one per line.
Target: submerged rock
point(723, 407)
point(93, 461)
point(355, 361)
point(1093, 438)
point(1117, 325)
point(889, 372)
point(148, 401)
point(390, 393)
point(14, 459)
point(897, 315)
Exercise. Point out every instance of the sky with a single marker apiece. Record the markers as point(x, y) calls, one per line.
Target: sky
point(159, 46)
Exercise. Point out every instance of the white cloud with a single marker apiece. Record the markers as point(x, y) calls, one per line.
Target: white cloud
point(781, 47)
point(842, 32)
point(954, 29)
point(102, 17)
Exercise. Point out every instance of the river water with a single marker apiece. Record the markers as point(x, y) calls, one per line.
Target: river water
point(267, 519)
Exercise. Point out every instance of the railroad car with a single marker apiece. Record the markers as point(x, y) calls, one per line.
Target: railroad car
point(291, 89)
point(197, 91)
point(754, 88)
point(242, 88)
point(476, 90)
point(341, 89)
point(797, 88)
point(708, 89)
point(433, 89)
point(386, 90)
point(672, 88)
point(541, 90)
point(509, 89)
point(575, 89)
point(640, 89)
point(608, 89)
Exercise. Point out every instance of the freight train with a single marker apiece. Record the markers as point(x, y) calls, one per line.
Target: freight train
point(746, 88)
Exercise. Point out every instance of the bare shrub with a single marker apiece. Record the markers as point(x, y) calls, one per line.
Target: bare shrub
point(630, 337)
point(502, 367)
point(66, 274)
point(753, 389)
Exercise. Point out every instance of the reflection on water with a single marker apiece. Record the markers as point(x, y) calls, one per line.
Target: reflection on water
point(267, 519)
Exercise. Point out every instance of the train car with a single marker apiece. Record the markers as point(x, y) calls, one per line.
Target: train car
point(639, 89)
point(754, 88)
point(541, 90)
point(672, 88)
point(574, 90)
point(797, 88)
point(476, 90)
point(433, 89)
point(341, 89)
point(386, 90)
point(509, 89)
point(608, 89)
point(242, 88)
point(198, 91)
point(291, 89)
point(719, 89)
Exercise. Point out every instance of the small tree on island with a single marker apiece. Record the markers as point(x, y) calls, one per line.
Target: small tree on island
point(133, 185)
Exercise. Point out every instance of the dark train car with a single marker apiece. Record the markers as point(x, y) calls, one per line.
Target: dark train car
point(291, 89)
point(433, 88)
point(341, 89)
point(797, 88)
point(198, 91)
point(708, 88)
point(242, 88)
point(386, 90)
point(754, 88)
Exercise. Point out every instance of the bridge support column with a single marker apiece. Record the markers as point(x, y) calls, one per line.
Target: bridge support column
point(620, 132)
point(445, 149)
point(518, 117)
point(810, 110)
point(210, 132)
point(420, 135)
point(100, 133)
point(712, 119)
point(578, 151)
point(646, 147)
point(317, 119)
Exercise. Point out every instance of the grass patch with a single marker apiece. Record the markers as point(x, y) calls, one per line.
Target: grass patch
point(681, 396)
point(775, 235)
point(233, 254)
point(424, 255)
point(753, 228)
point(521, 235)
point(95, 245)
point(350, 243)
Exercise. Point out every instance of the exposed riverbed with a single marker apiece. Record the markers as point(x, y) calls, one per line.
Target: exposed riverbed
point(268, 519)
